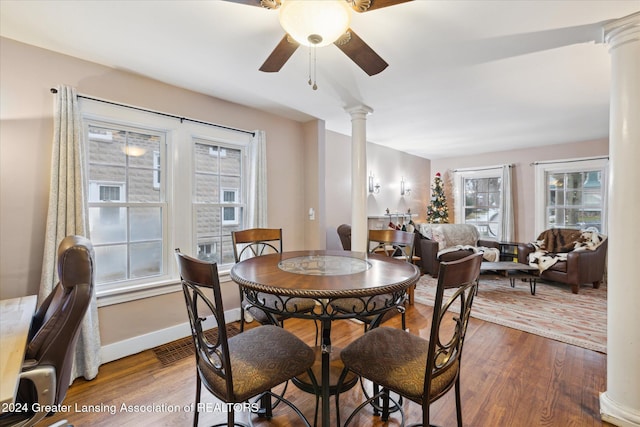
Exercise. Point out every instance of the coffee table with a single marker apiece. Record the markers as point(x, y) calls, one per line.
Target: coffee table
point(513, 270)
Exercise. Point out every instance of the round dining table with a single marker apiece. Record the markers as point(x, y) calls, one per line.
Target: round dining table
point(372, 283)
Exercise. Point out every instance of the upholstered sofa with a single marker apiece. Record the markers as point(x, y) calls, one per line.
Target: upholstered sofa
point(572, 257)
point(451, 242)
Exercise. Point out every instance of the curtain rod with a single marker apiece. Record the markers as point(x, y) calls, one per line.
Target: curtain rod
point(146, 110)
point(586, 159)
point(482, 169)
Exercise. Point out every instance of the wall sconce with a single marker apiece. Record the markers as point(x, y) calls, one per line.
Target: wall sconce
point(373, 188)
point(403, 190)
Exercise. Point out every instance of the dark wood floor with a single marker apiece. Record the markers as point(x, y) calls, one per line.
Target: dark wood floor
point(509, 378)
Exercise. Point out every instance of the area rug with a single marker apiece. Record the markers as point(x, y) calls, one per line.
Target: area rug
point(553, 312)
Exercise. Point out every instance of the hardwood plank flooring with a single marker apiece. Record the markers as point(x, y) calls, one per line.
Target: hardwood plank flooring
point(509, 378)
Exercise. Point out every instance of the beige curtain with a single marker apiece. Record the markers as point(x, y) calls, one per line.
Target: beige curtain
point(68, 215)
point(506, 205)
point(257, 203)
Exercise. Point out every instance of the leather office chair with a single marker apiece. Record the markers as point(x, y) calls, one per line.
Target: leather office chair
point(256, 242)
point(418, 369)
point(46, 371)
point(244, 366)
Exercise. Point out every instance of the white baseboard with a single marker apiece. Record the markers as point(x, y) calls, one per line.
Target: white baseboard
point(124, 348)
point(617, 415)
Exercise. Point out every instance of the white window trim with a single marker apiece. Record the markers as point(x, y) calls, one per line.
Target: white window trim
point(178, 166)
point(458, 188)
point(567, 165)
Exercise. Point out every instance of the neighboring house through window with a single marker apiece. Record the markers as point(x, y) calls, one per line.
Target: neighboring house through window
point(125, 207)
point(218, 202)
point(155, 184)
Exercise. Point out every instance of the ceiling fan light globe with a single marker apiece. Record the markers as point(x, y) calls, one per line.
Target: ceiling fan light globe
point(315, 22)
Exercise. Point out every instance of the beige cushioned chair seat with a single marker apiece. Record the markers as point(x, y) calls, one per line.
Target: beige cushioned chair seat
point(395, 359)
point(261, 358)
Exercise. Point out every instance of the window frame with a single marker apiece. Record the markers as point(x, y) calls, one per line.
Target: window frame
point(96, 114)
point(239, 205)
point(176, 170)
point(459, 194)
point(584, 164)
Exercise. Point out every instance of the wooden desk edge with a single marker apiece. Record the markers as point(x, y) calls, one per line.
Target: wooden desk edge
point(15, 329)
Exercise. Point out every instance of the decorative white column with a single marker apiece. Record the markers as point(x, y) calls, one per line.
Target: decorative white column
point(620, 404)
point(359, 177)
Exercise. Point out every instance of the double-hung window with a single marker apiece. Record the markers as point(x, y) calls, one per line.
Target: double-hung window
point(479, 197)
point(218, 201)
point(126, 208)
point(571, 194)
point(156, 183)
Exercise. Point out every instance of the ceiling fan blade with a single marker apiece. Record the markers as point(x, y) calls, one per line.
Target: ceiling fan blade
point(280, 55)
point(268, 4)
point(247, 2)
point(363, 6)
point(360, 53)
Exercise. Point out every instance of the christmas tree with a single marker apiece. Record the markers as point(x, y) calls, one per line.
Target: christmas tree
point(437, 211)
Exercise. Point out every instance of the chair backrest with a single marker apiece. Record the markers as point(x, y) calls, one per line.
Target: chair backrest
point(344, 233)
point(256, 242)
point(56, 325)
point(392, 243)
point(196, 277)
point(449, 322)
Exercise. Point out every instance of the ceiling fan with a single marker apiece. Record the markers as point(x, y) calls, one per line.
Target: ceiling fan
point(296, 18)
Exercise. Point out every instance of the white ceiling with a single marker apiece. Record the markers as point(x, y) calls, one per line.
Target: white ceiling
point(465, 77)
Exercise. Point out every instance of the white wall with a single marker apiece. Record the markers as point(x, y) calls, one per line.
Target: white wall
point(388, 166)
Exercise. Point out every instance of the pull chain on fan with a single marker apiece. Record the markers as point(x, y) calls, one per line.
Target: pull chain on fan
point(312, 67)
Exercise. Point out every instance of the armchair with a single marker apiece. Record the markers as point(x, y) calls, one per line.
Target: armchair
point(450, 242)
point(569, 265)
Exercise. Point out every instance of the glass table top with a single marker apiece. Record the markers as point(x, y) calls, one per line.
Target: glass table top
point(324, 265)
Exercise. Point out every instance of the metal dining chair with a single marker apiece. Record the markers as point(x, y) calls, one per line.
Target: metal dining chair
point(393, 243)
point(256, 242)
point(396, 243)
point(247, 365)
point(418, 369)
